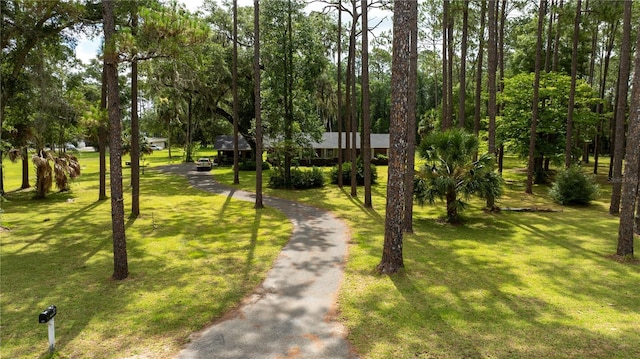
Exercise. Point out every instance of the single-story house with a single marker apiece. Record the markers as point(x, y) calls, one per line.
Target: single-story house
point(326, 150)
point(224, 146)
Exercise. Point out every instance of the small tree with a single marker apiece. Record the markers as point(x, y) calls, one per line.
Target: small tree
point(451, 173)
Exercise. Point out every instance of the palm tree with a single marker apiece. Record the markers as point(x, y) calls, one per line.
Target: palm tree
point(65, 167)
point(451, 173)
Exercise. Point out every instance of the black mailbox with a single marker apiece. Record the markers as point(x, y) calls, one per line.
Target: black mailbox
point(47, 314)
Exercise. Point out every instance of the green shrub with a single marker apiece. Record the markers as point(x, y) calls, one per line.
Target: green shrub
point(572, 186)
point(251, 166)
point(346, 173)
point(299, 179)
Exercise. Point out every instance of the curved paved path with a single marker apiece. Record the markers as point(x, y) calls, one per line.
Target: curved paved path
point(291, 314)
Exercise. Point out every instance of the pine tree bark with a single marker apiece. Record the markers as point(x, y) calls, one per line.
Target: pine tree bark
point(603, 86)
point(492, 70)
point(135, 128)
point(257, 102)
point(103, 137)
point(536, 95)
point(556, 40)
point(411, 122)
point(478, 95)
point(621, 106)
point(462, 97)
point(339, 80)
point(572, 91)
point(446, 116)
point(354, 114)
point(234, 90)
point(366, 120)
point(392, 260)
point(120, 264)
point(631, 168)
point(547, 57)
point(451, 53)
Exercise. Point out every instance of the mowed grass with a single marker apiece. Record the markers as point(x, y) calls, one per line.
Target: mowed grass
point(502, 285)
point(193, 257)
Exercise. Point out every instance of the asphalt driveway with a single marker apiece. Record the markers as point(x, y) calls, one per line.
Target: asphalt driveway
point(292, 314)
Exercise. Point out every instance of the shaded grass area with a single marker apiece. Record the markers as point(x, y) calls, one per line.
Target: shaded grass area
point(502, 285)
point(192, 257)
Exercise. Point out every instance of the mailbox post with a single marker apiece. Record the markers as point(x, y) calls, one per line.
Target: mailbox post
point(47, 316)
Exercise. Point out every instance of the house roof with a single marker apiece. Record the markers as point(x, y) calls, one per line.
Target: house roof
point(330, 140)
point(225, 143)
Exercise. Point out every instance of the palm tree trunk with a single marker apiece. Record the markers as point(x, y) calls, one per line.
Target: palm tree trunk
point(452, 209)
point(25, 169)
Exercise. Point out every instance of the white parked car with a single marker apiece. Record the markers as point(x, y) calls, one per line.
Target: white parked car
point(203, 164)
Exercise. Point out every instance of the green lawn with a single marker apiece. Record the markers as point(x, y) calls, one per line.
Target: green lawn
point(192, 257)
point(505, 285)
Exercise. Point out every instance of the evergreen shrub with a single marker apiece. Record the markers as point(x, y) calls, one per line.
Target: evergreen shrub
point(573, 187)
point(346, 173)
point(299, 179)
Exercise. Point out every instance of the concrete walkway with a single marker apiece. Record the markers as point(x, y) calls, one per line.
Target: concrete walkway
point(291, 315)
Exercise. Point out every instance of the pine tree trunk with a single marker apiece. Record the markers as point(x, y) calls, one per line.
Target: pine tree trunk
point(478, 95)
point(450, 43)
point(340, 117)
point(462, 97)
point(492, 70)
point(536, 92)
point(135, 128)
point(603, 85)
point(631, 168)
point(392, 260)
point(103, 137)
point(354, 114)
point(234, 90)
point(446, 117)
point(623, 89)
point(257, 101)
point(411, 125)
point(120, 264)
point(366, 120)
point(556, 41)
point(572, 91)
point(547, 58)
